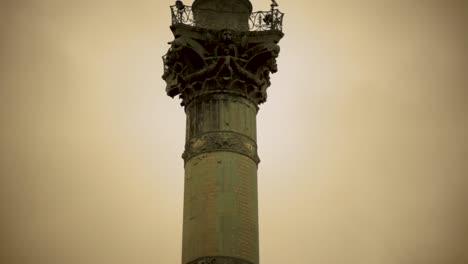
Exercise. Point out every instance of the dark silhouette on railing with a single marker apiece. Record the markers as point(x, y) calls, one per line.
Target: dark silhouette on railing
point(266, 20)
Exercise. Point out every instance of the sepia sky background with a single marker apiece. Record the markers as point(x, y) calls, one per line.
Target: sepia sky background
point(363, 140)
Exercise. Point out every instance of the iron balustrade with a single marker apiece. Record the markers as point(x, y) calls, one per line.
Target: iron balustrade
point(266, 20)
point(258, 21)
point(182, 15)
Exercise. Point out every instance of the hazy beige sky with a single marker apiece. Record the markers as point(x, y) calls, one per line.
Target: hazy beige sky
point(363, 140)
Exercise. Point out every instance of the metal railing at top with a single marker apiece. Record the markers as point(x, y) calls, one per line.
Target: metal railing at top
point(182, 15)
point(266, 20)
point(258, 21)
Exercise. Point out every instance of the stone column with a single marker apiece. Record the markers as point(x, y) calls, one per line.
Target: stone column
point(220, 70)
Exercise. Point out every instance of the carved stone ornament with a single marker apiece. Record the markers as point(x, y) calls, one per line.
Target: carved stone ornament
point(220, 260)
point(201, 60)
point(221, 141)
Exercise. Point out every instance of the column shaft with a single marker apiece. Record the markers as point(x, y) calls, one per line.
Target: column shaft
point(220, 198)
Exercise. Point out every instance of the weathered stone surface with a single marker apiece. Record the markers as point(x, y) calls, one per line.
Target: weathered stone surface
point(222, 14)
point(221, 71)
point(221, 141)
point(220, 207)
point(221, 112)
point(221, 122)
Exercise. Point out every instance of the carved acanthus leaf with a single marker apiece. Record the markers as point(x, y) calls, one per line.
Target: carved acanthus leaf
point(226, 56)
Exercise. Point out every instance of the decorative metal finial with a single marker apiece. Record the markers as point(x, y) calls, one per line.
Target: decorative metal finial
point(180, 5)
point(274, 4)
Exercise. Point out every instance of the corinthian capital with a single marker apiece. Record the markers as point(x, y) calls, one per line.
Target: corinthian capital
point(202, 60)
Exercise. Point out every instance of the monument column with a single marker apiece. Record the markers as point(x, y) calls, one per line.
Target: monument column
point(219, 65)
